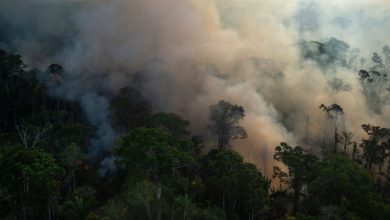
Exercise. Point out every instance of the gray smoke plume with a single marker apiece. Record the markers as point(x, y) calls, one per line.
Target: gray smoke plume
point(194, 53)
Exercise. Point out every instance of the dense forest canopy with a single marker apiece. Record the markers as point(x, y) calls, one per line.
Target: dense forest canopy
point(191, 109)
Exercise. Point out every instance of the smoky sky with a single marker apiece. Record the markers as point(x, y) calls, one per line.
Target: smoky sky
point(193, 53)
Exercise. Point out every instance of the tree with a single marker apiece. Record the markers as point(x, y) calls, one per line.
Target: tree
point(279, 201)
point(225, 119)
point(31, 179)
point(213, 213)
point(386, 53)
point(326, 54)
point(235, 186)
point(340, 184)
point(198, 145)
point(29, 135)
point(375, 147)
point(113, 209)
point(299, 164)
point(142, 196)
point(376, 150)
point(17, 91)
point(186, 208)
point(147, 153)
point(71, 158)
point(78, 204)
point(346, 139)
point(378, 62)
point(171, 123)
point(60, 136)
point(129, 110)
point(338, 85)
point(375, 87)
point(335, 112)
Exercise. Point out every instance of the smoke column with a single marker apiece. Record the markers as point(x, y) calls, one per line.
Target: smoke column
point(193, 53)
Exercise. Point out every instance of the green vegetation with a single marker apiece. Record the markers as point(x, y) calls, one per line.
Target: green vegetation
point(162, 171)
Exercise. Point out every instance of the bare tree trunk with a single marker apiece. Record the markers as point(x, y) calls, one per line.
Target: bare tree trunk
point(296, 200)
point(223, 200)
point(220, 143)
point(354, 151)
point(31, 138)
point(173, 211)
point(388, 171)
point(24, 212)
point(148, 211)
point(158, 197)
point(49, 211)
point(307, 129)
point(335, 137)
point(58, 105)
point(73, 179)
point(72, 112)
point(345, 147)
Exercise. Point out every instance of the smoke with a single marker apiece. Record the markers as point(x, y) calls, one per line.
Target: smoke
point(193, 53)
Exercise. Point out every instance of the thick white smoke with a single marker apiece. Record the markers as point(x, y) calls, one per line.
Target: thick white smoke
point(193, 53)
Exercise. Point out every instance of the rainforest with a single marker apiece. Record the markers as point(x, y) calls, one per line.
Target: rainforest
point(195, 109)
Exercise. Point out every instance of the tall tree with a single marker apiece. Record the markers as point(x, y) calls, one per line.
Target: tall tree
point(378, 62)
point(346, 138)
point(171, 123)
point(78, 204)
point(31, 179)
point(339, 185)
point(225, 119)
point(235, 186)
point(386, 53)
point(147, 153)
point(299, 164)
point(334, 112)
point(376, 146)
point(71, 158)
point(129, 110)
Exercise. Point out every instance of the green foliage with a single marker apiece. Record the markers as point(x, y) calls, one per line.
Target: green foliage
point(142, 196)
point(71, 155)
point(30, 178)
point(341, 183)
point(299, 164)
point(171, 123)
point(114, 209)
point(78, 204)
point(147, 151)
point(71, 158)
point(279, 202)
point(25, 99)
point(377, 210)
point(213, 213)
point(235, 186)
point(376, 146)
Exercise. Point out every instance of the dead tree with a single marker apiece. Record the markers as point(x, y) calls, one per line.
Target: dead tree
point(31, 136)
point(335, 112)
